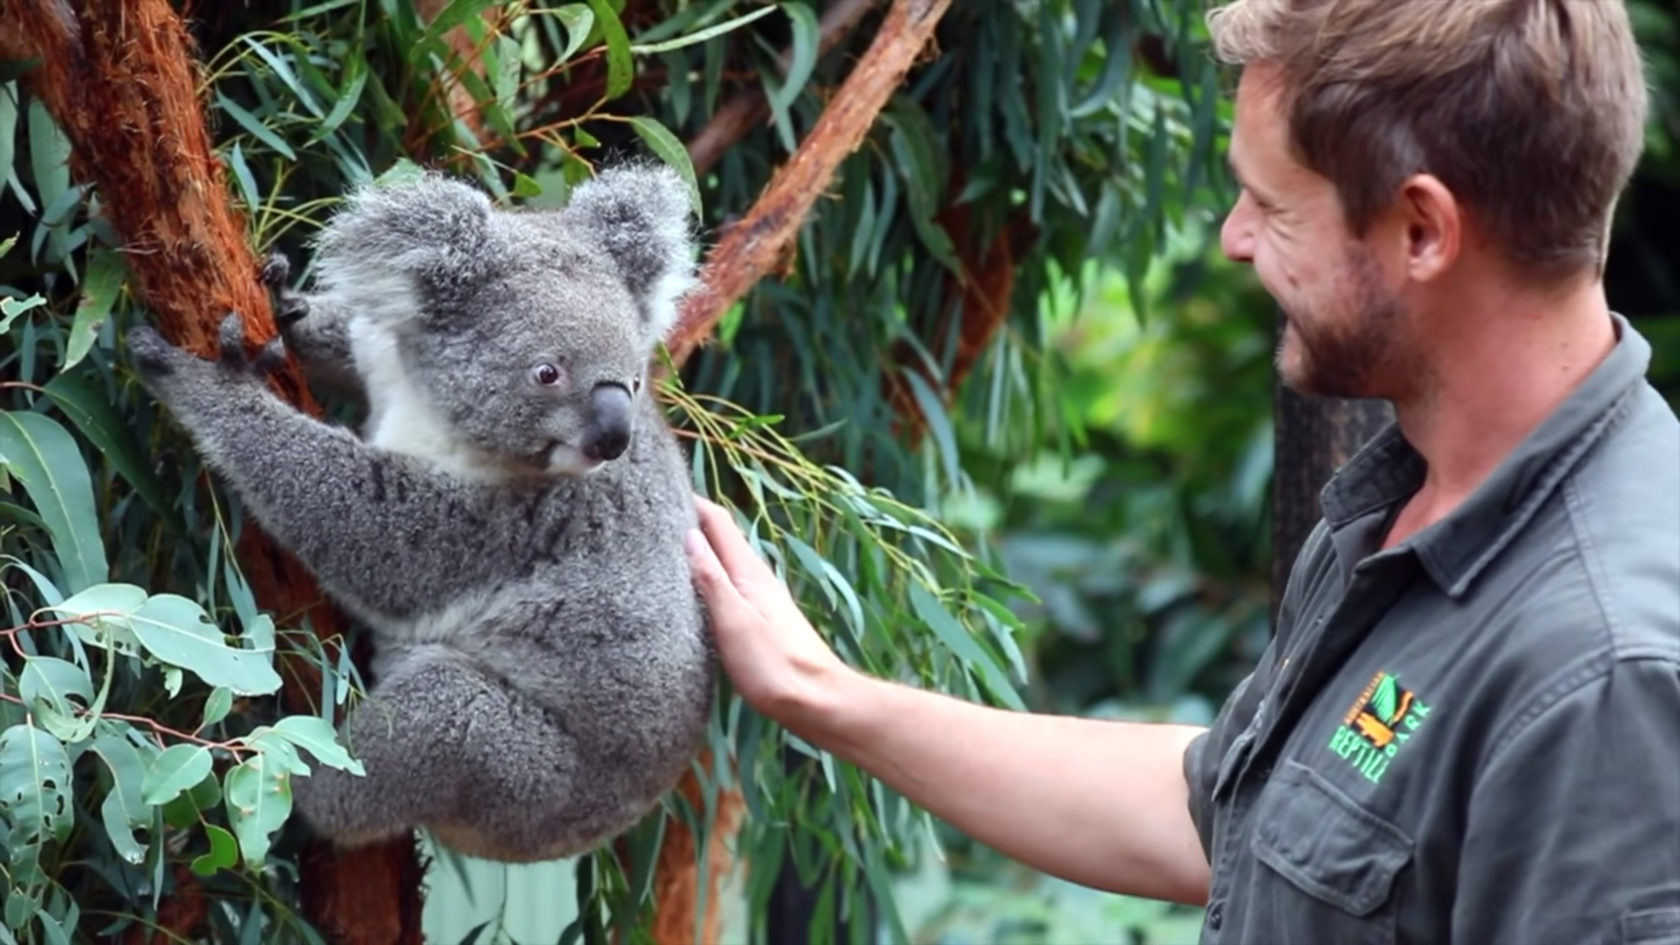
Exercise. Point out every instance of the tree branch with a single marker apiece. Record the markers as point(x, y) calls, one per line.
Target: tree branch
point(119, 77)
point(751, 247)
point(737, 117)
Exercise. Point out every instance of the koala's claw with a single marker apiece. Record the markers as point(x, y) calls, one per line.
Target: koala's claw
point(271, 357)
point(289, 306)
point(231, 344)
point(276, 271)
point(230, 340)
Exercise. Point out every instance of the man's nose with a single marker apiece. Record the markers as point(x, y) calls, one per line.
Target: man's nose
point(609, 422)
point(1236, 235)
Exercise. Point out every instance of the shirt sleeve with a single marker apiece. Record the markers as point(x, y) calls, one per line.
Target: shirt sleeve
point(1573, 829)
point(1203, 754)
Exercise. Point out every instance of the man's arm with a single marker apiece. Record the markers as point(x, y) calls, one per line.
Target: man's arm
point(1573, 830)
point(1101, 803)
point(1096, 802)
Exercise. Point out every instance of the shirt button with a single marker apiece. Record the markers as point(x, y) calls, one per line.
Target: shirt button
point(1216, 915)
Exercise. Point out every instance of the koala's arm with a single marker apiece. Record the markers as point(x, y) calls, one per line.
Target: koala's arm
point(361, 519)
point(316, 332)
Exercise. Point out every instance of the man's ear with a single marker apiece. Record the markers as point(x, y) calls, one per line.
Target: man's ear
point(641, 215)
point(1432, 226)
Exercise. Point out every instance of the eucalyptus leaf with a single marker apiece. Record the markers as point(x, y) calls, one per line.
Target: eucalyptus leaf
point(934, 615)
point(100, 286)
point(258, 800)
point(620, 67)
point(174, 770)
point(124, 807)
point(57, 691)
point(177, 631)
point(672, 151)
point(802, 23)
point(194, 803)
point(217, 705)
point(107, 609)
point(35, 785)
point(579, 21)
point(700, 35)
point(223, 853)
point(314, 734)
point(97, 419)
point(43, 456)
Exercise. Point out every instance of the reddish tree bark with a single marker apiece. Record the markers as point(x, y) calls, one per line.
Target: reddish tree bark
point(752, 247)
point(120, 78)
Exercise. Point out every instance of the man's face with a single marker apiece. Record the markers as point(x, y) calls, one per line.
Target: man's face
point(1346, 330)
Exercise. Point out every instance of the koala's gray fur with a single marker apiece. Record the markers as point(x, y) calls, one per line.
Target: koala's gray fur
point(544, 669)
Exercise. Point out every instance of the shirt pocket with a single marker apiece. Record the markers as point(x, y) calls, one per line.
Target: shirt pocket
point(1339, 861)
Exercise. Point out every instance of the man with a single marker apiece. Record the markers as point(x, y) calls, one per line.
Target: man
point(1467, 727)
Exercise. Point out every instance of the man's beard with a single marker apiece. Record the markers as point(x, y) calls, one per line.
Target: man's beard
point(1353, 356)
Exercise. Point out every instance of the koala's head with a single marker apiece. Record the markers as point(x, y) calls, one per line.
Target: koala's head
point(526, 334)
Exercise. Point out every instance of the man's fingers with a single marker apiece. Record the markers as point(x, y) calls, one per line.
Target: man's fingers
point(730, 546)
point(709, 576)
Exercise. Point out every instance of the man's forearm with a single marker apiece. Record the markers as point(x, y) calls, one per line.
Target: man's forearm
point(1099, 803)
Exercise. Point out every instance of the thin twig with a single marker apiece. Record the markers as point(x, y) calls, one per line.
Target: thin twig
point(158, 728)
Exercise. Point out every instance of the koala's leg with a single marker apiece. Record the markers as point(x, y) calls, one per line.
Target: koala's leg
point(363, 520)
point(448, 747)
point(408, 735)
point(315, 331)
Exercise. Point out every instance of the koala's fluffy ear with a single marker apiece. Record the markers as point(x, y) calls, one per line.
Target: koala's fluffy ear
point(386, 239)
point(640, 214)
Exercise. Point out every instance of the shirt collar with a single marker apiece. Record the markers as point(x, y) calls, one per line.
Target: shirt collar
point(1456, 549)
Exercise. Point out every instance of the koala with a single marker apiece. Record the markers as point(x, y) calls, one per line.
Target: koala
point(507, 522)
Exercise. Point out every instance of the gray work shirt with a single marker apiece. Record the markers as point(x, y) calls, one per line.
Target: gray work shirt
point(1472, 738)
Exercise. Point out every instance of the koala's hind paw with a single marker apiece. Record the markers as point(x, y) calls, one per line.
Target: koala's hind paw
point(289, 306)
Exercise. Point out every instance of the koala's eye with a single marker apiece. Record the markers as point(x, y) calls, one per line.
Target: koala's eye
point(546, 374)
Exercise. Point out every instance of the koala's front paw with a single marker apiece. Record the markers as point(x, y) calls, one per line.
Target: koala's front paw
point(289, 306)
point(154, 358)
point(169, 372)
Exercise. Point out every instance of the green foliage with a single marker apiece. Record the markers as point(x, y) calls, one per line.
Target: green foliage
point(141, 720)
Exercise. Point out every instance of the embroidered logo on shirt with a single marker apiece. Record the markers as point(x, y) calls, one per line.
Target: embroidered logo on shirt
point(1384, 716)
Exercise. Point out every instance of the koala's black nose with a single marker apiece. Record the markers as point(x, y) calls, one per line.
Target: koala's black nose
point(609, 422)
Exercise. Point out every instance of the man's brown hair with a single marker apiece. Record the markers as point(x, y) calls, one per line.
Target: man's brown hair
point(1531, 112)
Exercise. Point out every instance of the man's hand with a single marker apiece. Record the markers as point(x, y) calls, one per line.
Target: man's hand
point(1099, 803)
point(773, 655)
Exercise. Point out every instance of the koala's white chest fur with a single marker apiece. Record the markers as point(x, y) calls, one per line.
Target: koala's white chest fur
point(400, 416)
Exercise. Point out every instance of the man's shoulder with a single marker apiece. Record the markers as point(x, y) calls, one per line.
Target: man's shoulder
point(1622, 509)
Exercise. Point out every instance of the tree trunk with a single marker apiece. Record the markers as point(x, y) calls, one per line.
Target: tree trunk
point(1313, 436)
point(119, 77)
